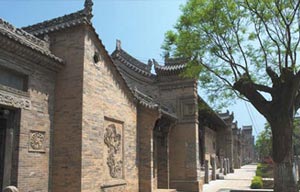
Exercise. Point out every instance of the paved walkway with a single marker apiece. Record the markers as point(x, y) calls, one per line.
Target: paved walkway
point(240, 179)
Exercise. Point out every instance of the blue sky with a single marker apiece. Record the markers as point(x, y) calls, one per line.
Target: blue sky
point(139, 24)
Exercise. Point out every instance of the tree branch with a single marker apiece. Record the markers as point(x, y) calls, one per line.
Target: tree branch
point(246, 88)
point(274, 77)
point(266, 26)
point(263, 88)
point(216, 74)
point(257, 30)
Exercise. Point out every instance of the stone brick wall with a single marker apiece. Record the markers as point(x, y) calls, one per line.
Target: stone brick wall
point(237, 156)
point(146, 122)
point(210, 141)
point(106, 102)
point(93, 105)
point(35, 121)
point(248, 140)
point(210, 144)
point(67, 144)
point(184, 162)
point(225, 145)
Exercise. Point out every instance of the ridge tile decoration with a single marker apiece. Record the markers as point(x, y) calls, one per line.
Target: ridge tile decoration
point(37, 141)
point(4, 25)
point(114, 141)
point(83, 16)
point(24, 39)
point(132, 63)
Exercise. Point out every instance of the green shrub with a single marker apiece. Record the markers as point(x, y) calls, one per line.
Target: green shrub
point(259, 172)
point(264, 170)
point(259, 166)
point(256, 183)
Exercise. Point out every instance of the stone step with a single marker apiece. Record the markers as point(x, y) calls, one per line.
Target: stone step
point(165, 190)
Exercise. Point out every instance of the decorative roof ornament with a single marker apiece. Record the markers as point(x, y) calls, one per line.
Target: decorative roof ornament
point(155, 62)
point(88, 8)
point(118, 45)
point(80, 17)
point(150, 64)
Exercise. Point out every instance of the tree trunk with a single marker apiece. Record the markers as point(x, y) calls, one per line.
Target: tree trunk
point(284, 179)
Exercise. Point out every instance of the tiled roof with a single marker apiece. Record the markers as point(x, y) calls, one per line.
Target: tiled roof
point(176, 61)
point(226, 116)
point(26, 39)
point(248, 127)
point(205, 111)
point(132, 63)
point(80, 17)
point(144, 99)
point(169, 69)
point(148, 102)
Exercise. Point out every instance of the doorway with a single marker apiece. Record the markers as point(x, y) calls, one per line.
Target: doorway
point(161, 154)
point(2, 149)
point(9, 137)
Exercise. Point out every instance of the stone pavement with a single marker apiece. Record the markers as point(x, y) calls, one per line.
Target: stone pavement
point(240, 179)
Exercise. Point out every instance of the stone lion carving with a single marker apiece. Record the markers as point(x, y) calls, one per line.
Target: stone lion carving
point(114, 161)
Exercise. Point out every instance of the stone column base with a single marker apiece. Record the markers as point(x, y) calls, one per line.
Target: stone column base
point(187, 185)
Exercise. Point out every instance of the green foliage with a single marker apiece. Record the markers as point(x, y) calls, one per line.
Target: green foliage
point(256, 183)
point(296, 136)
point(227, 39)
point(258, 172)
point(263, 143)
point(264, 170)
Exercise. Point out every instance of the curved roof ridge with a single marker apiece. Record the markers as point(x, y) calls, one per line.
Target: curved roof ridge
point(149, 102)
point(27, 39)
point(133, 63)
point(83, 16)
point(176, 61)
point(173, 69)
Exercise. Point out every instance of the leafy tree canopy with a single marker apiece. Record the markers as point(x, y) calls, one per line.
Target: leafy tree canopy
point(236, 42)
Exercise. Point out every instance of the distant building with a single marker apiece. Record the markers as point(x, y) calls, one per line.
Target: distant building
point(248, 153)
point(237, 145)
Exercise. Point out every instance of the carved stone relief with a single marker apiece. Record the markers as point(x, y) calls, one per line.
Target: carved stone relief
point(14, 101)
point(113, 140)
point(187, 108)
point(37, 141)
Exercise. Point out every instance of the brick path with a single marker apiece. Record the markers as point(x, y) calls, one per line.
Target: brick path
point(240, 179)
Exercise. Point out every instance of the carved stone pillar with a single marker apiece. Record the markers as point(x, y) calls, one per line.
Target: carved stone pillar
point(213, 164)
point(206, 176)
point(225, 166)
point(228, 165)
point(221, 164)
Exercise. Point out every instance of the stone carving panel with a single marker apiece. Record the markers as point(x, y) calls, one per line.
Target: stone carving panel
point(14, 101)
point(187, 109)
point(37, 141)
point(113, 139)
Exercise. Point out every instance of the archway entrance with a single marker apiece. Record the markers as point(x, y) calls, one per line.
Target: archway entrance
point(161, 153)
